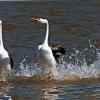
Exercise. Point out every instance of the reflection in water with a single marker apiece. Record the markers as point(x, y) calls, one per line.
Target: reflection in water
point(52, 90)
point(50, 93)
point(6, 98)
point(4, 89)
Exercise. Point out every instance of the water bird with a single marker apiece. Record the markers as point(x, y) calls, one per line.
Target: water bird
point(5, 60)
point(48, 55)
point(44, 52)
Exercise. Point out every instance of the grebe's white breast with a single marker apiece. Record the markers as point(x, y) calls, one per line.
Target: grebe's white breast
point(3, 54)
point(45, 57)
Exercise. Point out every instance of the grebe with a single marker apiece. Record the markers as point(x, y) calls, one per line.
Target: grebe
point(5, 67)
point(44, 52)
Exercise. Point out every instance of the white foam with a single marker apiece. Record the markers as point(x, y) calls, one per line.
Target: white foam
point(63, 68)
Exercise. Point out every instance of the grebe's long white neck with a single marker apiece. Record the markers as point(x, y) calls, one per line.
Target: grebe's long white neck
point(45, 21)
point(1, 41)
point(47, 33)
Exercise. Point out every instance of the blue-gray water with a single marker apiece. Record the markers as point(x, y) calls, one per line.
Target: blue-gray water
point(75, 24)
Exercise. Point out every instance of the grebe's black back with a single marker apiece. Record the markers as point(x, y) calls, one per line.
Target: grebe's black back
point(58, 51)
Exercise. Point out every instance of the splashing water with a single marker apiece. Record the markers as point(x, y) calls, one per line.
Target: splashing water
point(81, 63)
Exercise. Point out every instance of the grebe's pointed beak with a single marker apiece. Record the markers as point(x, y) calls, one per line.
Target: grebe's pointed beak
point(34, 19)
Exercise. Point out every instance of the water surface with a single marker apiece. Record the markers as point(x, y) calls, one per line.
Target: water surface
point(73, 24)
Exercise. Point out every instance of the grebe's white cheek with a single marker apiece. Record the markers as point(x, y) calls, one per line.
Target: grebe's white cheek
point(42, 20)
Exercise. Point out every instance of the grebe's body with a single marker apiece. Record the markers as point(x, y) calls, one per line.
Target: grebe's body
point(45, 56)
point(5, 67)
point(44, 53)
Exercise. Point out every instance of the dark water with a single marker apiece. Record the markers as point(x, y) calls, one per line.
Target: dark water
point(74, 24)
